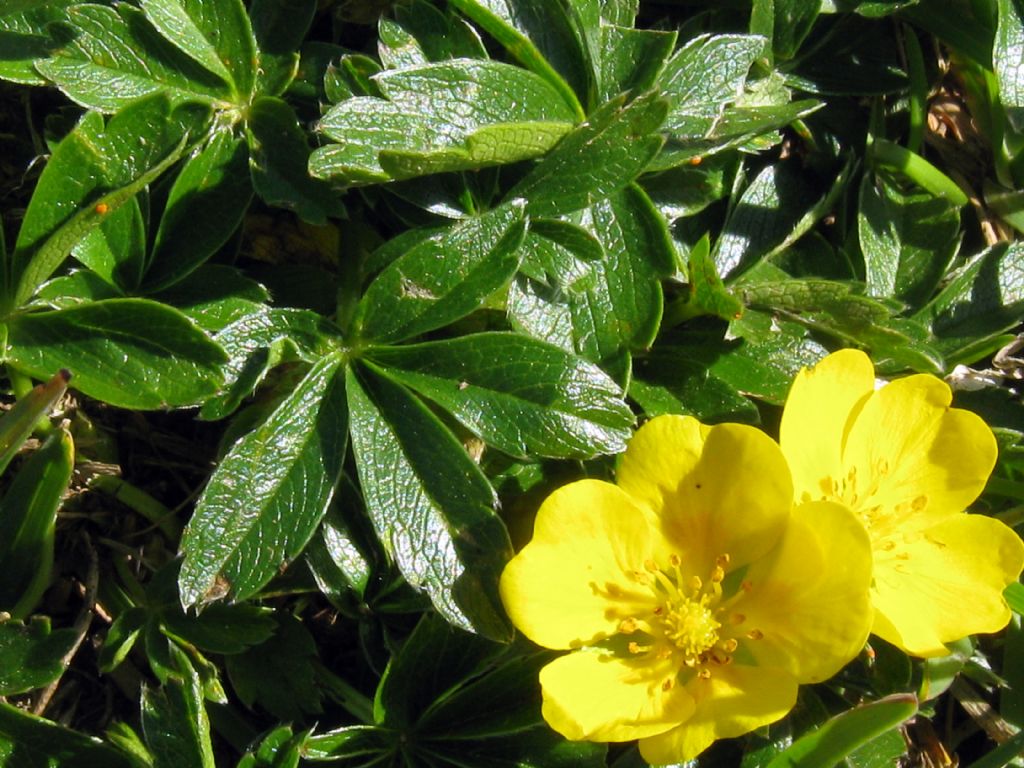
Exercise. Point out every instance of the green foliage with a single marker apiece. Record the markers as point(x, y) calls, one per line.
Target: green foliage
point(346, 290)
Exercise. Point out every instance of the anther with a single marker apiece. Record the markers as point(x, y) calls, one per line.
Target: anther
point(717, 575)
point(919, 503)
point(667, 685)
point(755, 634)
point(627, 626)
point(651, 566)
point(635, 648)
point(746, 586)
point(730, 645)
point(704, 673)
point(674, 560)
point(696, 584)
point(737, 618)
point(722, 560)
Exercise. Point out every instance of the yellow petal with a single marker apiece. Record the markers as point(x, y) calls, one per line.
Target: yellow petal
point(810, 598)
point(818, 412)
point(733, 701)
point(572, 584)
point(946, 583)
point(723, 489)
point(595, 695)
point(915, 457)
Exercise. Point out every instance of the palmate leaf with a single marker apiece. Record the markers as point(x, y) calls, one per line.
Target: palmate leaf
point(525, 397)
point(431, 506)
point(30, 741)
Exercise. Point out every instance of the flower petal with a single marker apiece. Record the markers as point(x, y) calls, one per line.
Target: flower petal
point(810, 598)
point(723, 489)
point(928, 460)
point(735, 700)
point(571, 585)
point(817, 415)
point(946, 583)
point(595, 695)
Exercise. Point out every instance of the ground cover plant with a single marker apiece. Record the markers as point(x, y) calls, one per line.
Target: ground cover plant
point(500, 383)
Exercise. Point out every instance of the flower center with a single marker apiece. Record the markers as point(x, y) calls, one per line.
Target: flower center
point(692, 621)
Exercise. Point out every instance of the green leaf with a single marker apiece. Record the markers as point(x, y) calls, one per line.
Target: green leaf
point(116, 249)
point(279, 674)
point(768, 210)
point(175, 21)
point(422, 33)
point(785, 22)
point(436, 659)
point(279, 27)
point(539, 35)
point(443, 278)
point(132, 353)
point(26, 36)
point(1007, 60)
point(708, 295)
point(30, 741)
point(174, 720)
point(19, 422)
point(703, 78)
point(115, 56)
point(31, 656)
point(845, 732)
point(204, 208)
point(279, 159)
point(597, 159)
point(980, 300)
point(28, 517)
point(687, 189)
point(269, 493)
point(257, 341)
point(215, 296)
point(907, 240)
point(93, 171)
point(631, 59)
point(441, 117)
point(523, 396)
point(351, 741)
point(430, 504)
point(618, 307)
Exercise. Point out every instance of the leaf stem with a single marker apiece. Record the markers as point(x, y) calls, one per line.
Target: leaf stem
point(889, 155)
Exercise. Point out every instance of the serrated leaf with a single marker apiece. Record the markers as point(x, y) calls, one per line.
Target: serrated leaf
point(174, 21)
point(631, 59)
point(597, 159)
point(34, 741)
point(443, 278)
point(269, 493)
point(279, 27)
point(703, 78)
point(1008, 59)
point(845, 732)
point(174, 720)
point(132, 353)
point(279, 674)
point(28, 517)
point(431, 506)
point(618, 306)
point(539, 35)
point(523, 396)
point(26, 36)
point(279, 160)
point(31, 656)
point(708, 295)
point(907, 240)
point(765, 214)
point(205, 206)
point(982, 299)
point(94, 170)
point(785, 22)
point(432, 35)
point(114, 57)
point(433, 110)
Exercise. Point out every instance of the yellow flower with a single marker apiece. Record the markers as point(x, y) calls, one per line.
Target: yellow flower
point(693, 597)
point(908, 465)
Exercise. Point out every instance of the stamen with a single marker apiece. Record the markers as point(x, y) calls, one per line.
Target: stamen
point(635, 648)
point(755, 634)
point(737, 618)
point(667, 685)
point(628, 626)
point(730, 645)
point(704, 673)
point(696, 584)
point(722, 560)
